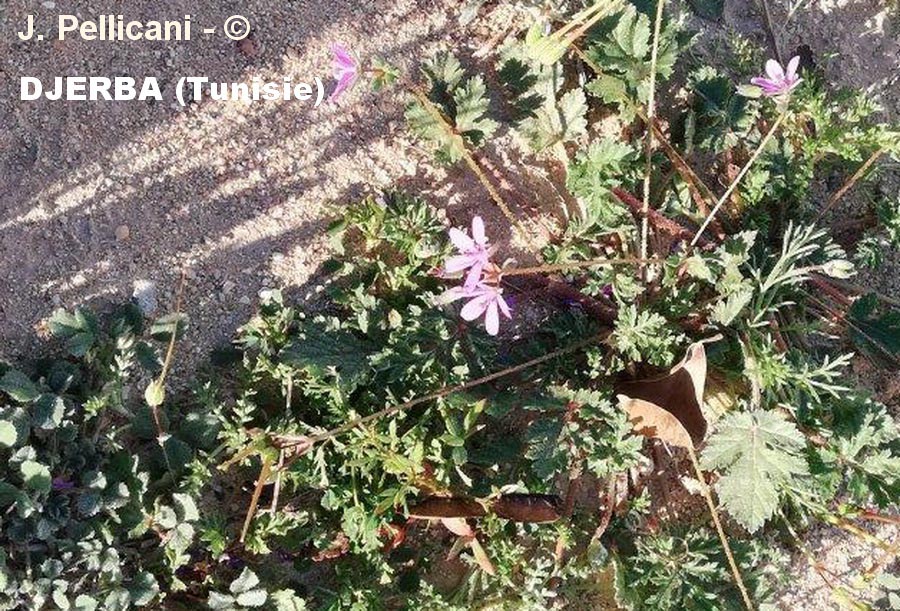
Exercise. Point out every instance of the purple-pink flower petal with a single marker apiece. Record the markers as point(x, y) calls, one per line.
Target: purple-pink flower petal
point(458, 263)
point(474, 276)
point(792, 67)
point(476, 307)
point(345, 69)
point(780, 81)
point(484, 300)
point(774, 70)
point(459, 239)
point(474, 252)
point(492, 319)
point(478, 231)
point(504, 307)
point(342, 57)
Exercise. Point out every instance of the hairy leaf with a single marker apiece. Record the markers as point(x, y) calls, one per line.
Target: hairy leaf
point(758, 454)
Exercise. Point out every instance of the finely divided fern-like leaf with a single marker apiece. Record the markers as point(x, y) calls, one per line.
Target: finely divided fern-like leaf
point(757, 454)
point(519, 82)
point(462, 106)
point(327, 355)
point(722, 117)
point(875, 330)
point(471, 106)
point(624, 55)
point(559, 122)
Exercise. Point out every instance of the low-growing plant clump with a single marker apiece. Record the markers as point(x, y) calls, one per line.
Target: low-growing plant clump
point(650, 408)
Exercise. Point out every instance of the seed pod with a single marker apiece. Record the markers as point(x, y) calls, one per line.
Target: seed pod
point(435, 507)
point(534, 508)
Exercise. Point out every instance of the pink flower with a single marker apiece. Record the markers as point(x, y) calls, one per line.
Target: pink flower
point(346, 70)
point(485, 300)
point(779, 81)
point(474, 255)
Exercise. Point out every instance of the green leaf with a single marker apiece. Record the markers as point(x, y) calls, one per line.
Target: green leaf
point(253, 598)
point(143, 589)
point(287, 600)
point(861, 460)
point(79, 329)
point(725, 311)
point(88, 504)
point(875, 330)
point(758, 454)
point(155, 394)
point(83, 602)
point(220, 602)
point(8, 434)
point(35, 475)
point(165, 517)
point(245, 582)
point(722, 115)
point(557, 122)
point(518, 88)
point(624, 53)
point(117, 600)
point(460, 106)
point(330, 354)
point(60, 599)
point(18, 386)
point(611, 89)
point(49, 411)
point(163, 327)
point(632, 34)
point(185, 506)
point(9, 494)
point(595, 172)
point(471, 105)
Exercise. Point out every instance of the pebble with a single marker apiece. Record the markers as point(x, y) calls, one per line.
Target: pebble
point(145, 295)
point(123, 232)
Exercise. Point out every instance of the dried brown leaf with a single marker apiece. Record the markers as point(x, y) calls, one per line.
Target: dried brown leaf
point(436, 507)
point(458, 526)
point(533, 508)
point(668, 407)
point(481, 557)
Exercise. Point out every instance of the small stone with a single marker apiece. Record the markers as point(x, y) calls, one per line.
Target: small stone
point(123, 232)
point(244, 300)
point(49, 5)
point(248, 47)
point(228, 286)
point(145, 295)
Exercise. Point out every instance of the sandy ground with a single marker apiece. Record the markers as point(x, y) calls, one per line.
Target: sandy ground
point(97, 196)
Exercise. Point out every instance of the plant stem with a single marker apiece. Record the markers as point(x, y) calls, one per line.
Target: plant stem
point(771, 30)
point(835, 198)
point(254, 500)
point(608, 511)
point(861, 290)
point(577, 26)
point(562, 267)
point(471, 162)
point(648, 140)
point(167, 363)
point(701, 192)
point(448, 390)
point(737, 180)
point(715, 516)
